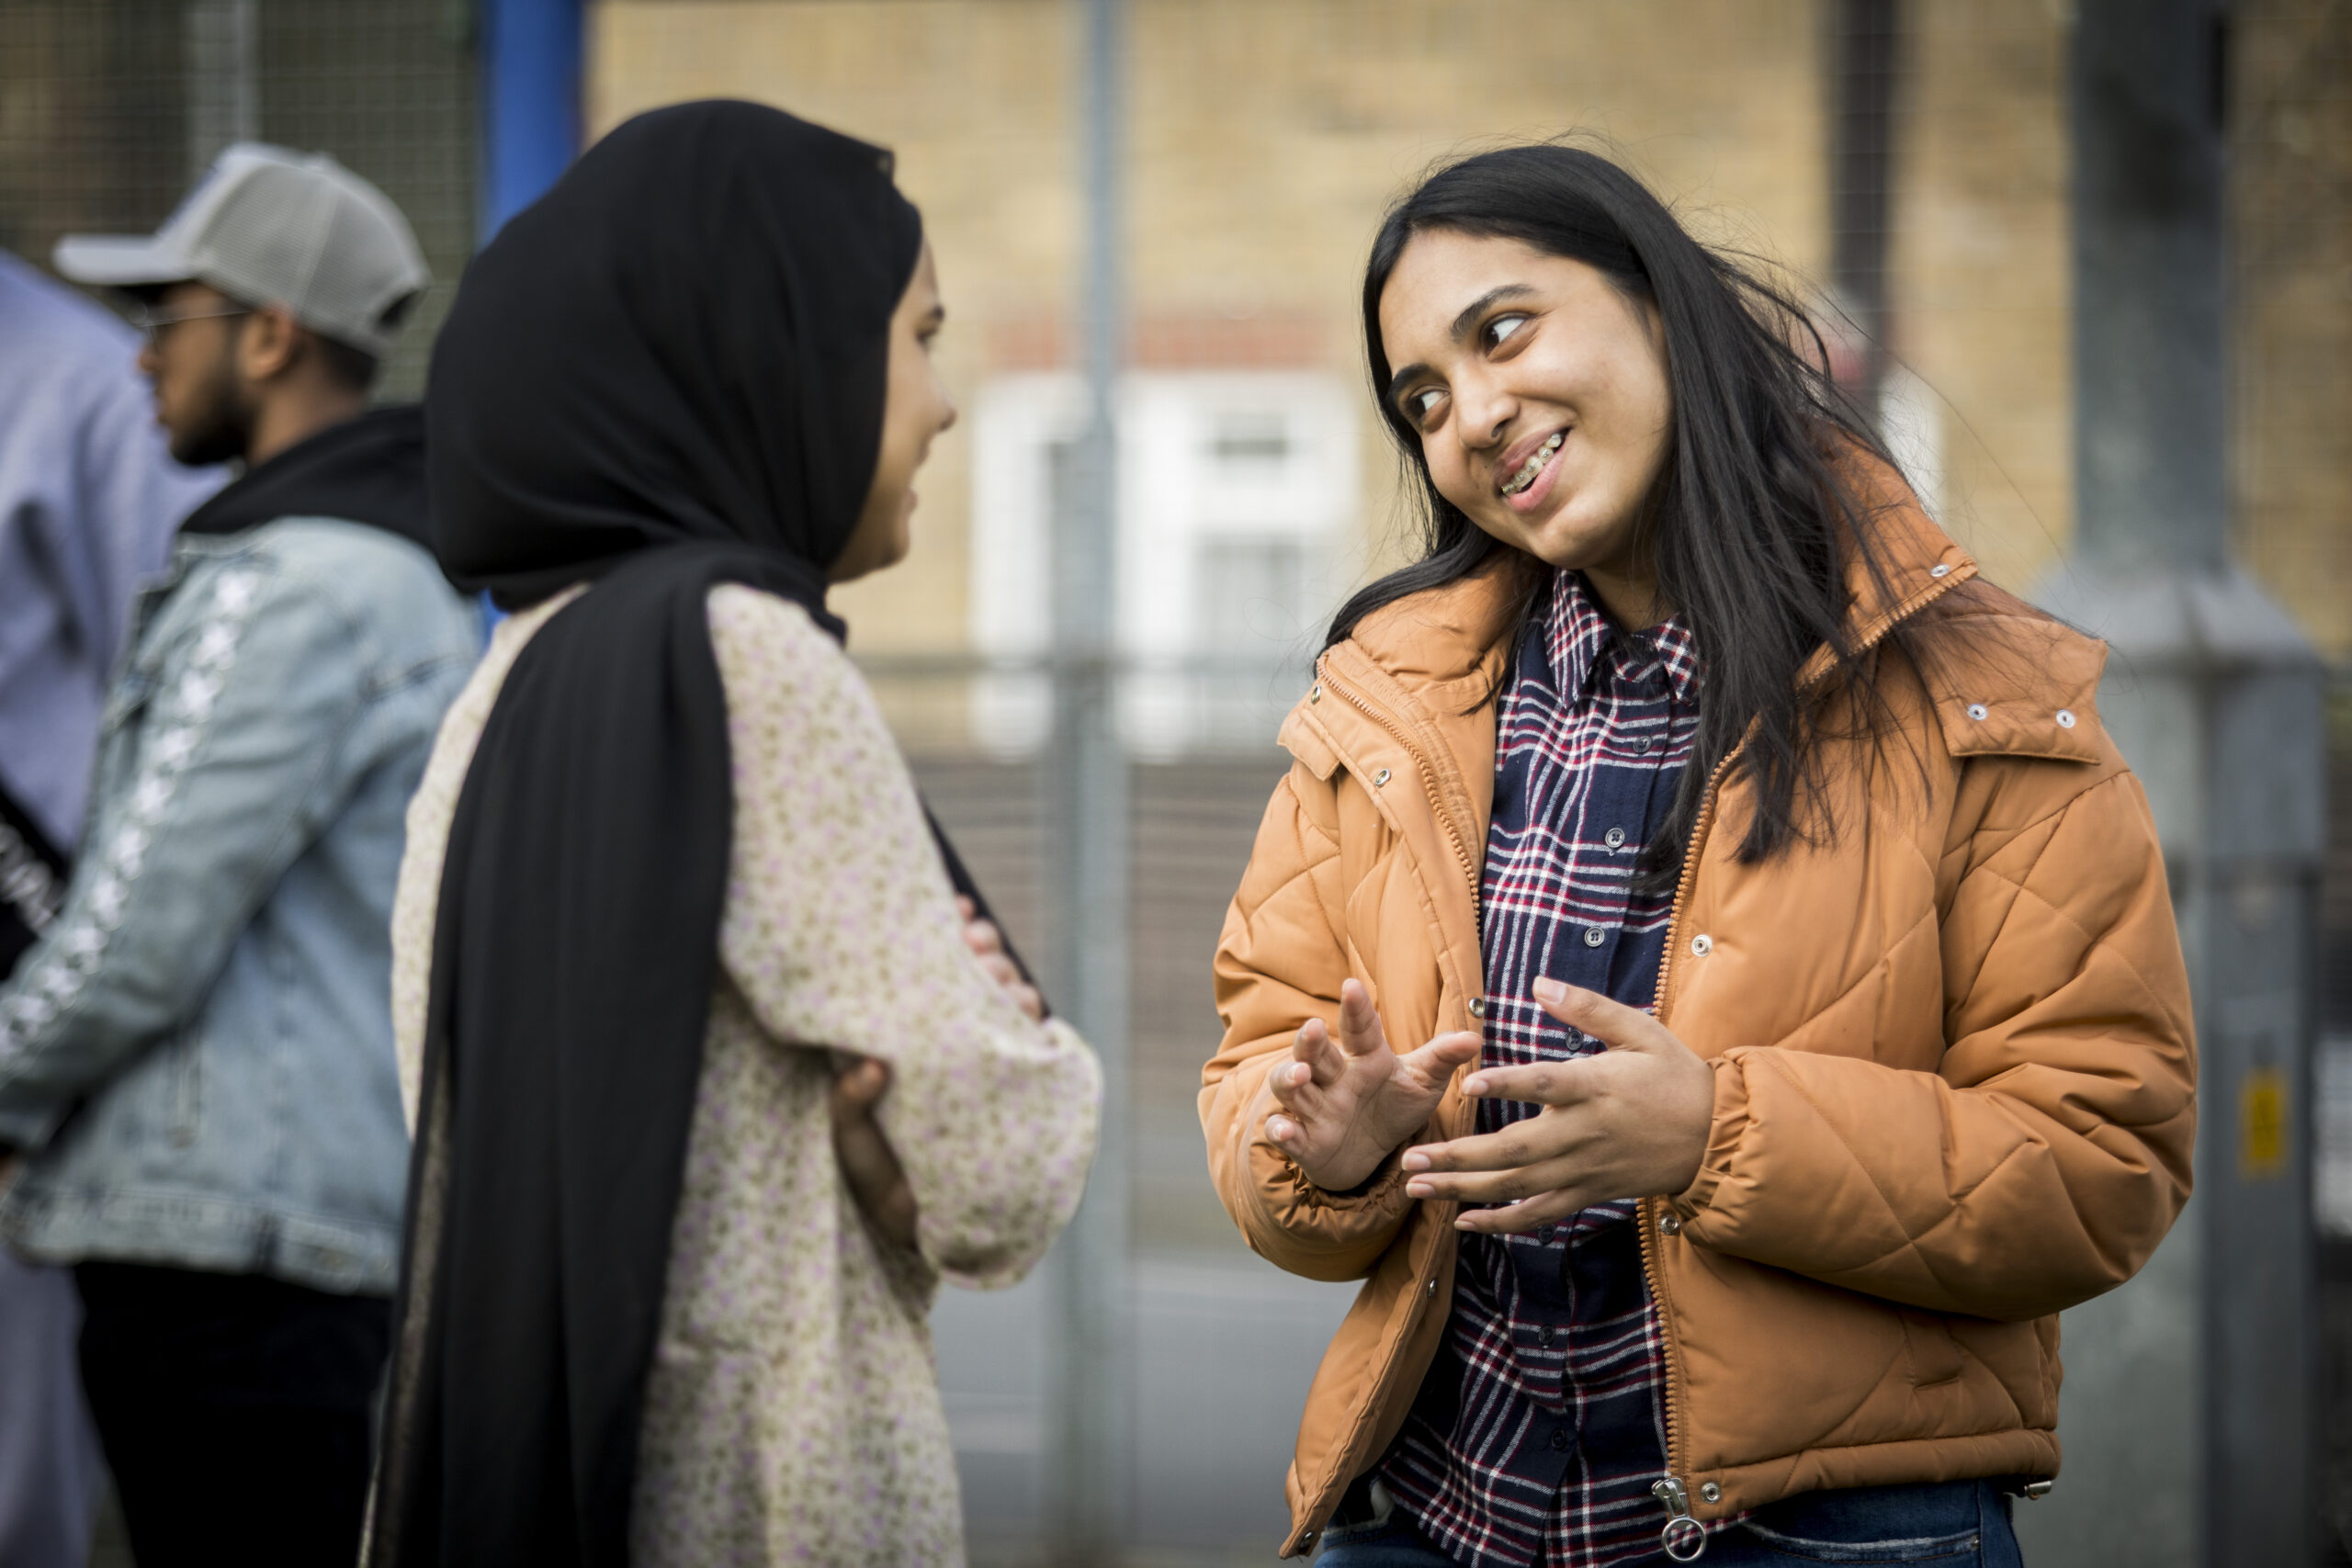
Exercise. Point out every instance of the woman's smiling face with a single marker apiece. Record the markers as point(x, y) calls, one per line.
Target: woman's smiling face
point(1539, 391)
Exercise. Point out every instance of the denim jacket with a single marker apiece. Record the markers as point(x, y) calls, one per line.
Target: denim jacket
point(197, 1053)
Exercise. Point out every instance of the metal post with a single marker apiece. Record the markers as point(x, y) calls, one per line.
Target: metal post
point(1863, 38)
point(1089, 1483)
point(2188, 1419)
point(531, 57)
point(221, 45)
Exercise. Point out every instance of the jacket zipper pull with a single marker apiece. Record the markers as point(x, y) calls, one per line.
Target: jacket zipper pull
point(1684, 1538)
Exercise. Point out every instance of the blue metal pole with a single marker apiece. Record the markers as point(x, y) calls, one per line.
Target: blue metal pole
point(530, 102)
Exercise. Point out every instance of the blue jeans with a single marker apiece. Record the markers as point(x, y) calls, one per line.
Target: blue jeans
point(1960, 1523)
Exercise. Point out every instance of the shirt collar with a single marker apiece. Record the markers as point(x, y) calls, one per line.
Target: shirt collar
point(1580, 637)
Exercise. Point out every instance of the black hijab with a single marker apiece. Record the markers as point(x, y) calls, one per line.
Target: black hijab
point(668, 373)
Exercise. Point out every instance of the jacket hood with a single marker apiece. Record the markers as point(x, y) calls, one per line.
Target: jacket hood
point(369, 469)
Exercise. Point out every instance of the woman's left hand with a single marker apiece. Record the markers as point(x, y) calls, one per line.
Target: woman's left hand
point(1628, 1121)
point(878, 1182)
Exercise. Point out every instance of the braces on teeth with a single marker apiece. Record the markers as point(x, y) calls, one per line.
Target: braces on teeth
point(1535, 464)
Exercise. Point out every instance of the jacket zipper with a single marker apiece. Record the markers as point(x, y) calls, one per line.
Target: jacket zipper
point(1684, 1538)
point(1461, 857)
point(1670, 1491)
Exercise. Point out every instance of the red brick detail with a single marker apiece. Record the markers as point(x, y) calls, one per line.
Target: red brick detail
point(1273, 340)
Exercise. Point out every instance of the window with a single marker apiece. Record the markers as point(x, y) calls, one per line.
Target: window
point(1238, 493)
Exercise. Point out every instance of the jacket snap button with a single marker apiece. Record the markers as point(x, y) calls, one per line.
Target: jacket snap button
point(1432, 1286)
point(2066, 718)
point(1316, 696)
point(1380, 778)
point(1477, 1007)
point(1941, 569)
point(1712, 1493)
point(1669, 1225)
point(1701, 945)
point(1977, 710)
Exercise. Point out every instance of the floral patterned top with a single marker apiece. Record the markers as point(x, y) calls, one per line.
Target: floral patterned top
point(792, 1413)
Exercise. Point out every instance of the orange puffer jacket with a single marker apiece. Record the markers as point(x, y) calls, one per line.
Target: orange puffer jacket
point(1954, 1073)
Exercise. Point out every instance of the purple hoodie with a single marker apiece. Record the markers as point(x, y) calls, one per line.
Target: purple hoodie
point(89, 498)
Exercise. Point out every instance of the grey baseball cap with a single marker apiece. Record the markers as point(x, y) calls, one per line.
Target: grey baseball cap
point(272, 227)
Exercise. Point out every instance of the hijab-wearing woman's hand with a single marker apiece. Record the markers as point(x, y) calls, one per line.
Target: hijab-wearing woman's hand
point(878, 1182)
point(1347, 1101)
point(1628, 1121)
point(987, 945)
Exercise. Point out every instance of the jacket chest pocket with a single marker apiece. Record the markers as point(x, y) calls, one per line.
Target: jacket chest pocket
point(184, 1089)
point(136, 673)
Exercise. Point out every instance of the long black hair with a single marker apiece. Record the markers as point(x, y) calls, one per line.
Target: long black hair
point(1756, 520)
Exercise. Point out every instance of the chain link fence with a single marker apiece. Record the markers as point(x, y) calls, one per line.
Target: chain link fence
point(110, 108)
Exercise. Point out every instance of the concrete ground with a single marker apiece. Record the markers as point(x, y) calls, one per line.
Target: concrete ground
point(1225, 1347)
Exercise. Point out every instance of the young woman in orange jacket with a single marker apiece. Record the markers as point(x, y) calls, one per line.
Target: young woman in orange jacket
point(1707, 970)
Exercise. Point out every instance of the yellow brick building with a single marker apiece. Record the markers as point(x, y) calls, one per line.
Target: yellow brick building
point(1265, 137)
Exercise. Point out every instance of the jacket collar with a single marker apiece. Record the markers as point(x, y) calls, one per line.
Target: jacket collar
point(1450, 637)
point(1919, 563)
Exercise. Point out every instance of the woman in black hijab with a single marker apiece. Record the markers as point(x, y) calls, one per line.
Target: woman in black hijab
point(665, 867)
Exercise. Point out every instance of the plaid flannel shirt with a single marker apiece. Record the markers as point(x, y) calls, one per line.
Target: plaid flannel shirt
point(1539, 1429)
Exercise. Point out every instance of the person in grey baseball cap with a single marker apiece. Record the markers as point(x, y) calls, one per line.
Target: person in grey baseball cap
point(196, 1070)
point(268, 299)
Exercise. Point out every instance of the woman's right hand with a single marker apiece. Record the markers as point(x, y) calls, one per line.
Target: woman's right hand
point(1347, 1101)
point(987, 945)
